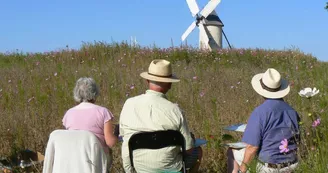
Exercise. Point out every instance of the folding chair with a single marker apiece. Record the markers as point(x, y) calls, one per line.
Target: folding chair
point(157, 140)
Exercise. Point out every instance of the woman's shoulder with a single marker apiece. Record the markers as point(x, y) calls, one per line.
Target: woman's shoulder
point(102, 108)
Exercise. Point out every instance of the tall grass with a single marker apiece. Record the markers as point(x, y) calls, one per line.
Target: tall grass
point(215, 91)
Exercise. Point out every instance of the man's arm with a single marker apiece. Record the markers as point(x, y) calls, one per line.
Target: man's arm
point(184, 130)
point(253, 138)
point(250, 153)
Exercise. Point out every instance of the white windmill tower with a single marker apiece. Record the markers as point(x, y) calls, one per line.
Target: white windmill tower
point(209, 24)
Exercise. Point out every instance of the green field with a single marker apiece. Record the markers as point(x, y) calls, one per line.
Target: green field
point(215, 91)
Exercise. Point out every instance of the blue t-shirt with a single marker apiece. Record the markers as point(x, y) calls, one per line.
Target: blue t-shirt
point(268, 125)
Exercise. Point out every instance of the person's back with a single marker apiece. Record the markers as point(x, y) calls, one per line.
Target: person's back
point(278, 121)
point(272, 130)
point(90, 117)
point(281, 123)
point(151, 112)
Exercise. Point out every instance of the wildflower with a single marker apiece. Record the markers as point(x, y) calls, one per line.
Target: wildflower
point(37, 63)
point(284, 146)
point(202, 94)
point(309, 114)
point(316, 122)
point(9, 81)
point(253, 53)
point(308, 92)
point(195, 77)
point(0, 90)
point(232, 87)
point(132, 87)
point(55, 74)
point(238, 83)
point(307, 133)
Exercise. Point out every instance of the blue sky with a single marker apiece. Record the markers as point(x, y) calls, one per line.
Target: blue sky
point(39, 25)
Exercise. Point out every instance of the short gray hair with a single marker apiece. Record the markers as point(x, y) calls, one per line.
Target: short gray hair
point(85, 90)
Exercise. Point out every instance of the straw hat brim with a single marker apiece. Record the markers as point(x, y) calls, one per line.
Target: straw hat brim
point(256, 84)
point(171, 79)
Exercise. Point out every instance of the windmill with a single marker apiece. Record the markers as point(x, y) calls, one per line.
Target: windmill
point(209, 24)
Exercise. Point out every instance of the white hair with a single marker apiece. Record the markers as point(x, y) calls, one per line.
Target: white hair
point(85, 90)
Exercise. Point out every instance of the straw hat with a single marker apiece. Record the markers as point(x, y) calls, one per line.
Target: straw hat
point(160, 70)
point(270, 84)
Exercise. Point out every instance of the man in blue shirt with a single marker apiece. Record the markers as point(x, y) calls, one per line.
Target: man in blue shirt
point(272, 131)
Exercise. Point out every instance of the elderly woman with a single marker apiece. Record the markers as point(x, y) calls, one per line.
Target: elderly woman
point(272, 131)
point(91, 117)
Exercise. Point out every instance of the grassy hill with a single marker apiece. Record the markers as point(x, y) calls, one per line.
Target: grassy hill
point(215, 91)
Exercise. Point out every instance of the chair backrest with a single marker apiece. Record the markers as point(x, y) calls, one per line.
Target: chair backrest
point(156, 140)
point(74, 151)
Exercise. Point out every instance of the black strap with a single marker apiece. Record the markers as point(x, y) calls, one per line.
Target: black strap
point(269, 89)
point(155, 140)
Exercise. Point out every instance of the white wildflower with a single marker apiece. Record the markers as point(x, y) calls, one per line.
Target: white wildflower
point(308, 92)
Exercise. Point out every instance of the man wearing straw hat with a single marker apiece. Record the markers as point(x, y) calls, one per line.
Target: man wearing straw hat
point(272, 131)
point(152, 111)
